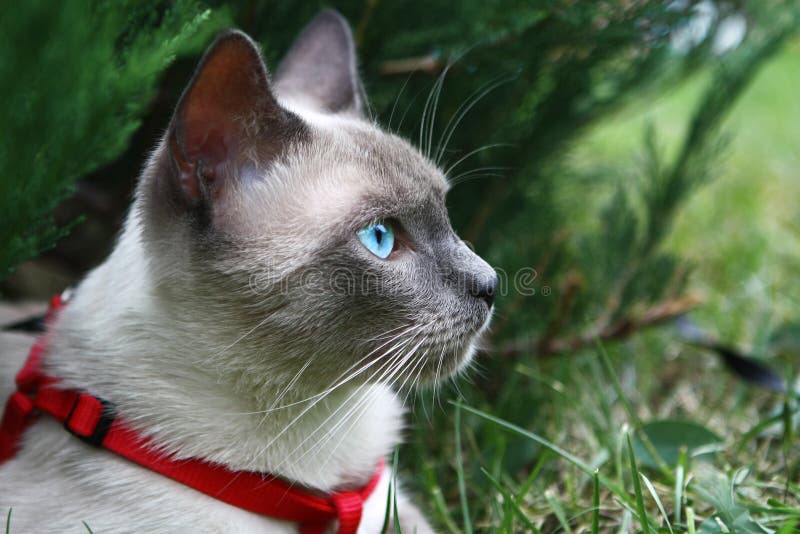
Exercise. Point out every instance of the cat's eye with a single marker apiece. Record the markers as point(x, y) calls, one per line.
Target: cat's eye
point(378, 238)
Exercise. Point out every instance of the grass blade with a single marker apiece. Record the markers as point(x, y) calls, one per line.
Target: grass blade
point(513, 502)
point(397, 528)
point(596, 503)
point(388, 512)
point(462, 486)
point(680, 475)
point(625, 524)
point(574, 460)
point(637, 488)
point(635, 421)
point(652, 491)
point(759, 428)
point(558, 510)
point(439, 504)
point(526, 487)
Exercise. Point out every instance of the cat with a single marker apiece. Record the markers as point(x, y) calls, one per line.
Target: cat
point(286, 268)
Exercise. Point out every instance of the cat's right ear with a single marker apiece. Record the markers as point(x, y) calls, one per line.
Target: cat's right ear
point(321, 67)
point(227, 118)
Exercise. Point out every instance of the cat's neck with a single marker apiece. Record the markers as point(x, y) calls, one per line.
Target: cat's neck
point(116, 340)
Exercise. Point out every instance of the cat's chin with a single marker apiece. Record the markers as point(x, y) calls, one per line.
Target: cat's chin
point(460, 359)
point(465, 360)
point(453, 362)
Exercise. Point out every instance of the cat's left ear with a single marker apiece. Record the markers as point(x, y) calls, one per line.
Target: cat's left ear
point(226, 120)
point(321, 69)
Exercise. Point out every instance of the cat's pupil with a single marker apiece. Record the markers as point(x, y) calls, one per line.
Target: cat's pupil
point(378, 235)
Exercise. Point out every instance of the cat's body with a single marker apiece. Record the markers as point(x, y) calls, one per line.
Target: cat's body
point(239, 320)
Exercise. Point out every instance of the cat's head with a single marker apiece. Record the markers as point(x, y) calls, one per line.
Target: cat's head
point(311, 241)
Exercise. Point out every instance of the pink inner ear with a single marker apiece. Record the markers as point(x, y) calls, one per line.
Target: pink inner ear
point(227, 92)
point(208, 137)
point(205, 148)
point(211, 143)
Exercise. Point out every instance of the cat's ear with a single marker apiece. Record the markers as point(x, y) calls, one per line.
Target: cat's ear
point(321, 68)
point(227, 118)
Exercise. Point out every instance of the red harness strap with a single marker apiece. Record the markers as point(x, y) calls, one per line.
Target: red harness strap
point(95, 421)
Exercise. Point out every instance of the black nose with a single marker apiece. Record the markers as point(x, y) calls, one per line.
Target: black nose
point(485, 289)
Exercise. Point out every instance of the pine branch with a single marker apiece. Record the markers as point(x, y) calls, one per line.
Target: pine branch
point(430, 63)
point(656, 315)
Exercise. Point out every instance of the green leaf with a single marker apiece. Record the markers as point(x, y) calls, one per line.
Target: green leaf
point(668, 436)
point(720, 492)
point(709, 526)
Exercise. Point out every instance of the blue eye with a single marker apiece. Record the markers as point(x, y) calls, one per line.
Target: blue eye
point(378, 238)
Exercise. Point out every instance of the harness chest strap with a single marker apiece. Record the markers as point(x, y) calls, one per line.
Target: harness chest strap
point(94, 421)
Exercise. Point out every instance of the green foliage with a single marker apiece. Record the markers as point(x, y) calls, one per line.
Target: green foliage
point(75, 78)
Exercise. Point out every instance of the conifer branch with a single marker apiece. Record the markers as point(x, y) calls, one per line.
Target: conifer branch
point(657, 314)
point(430, 63)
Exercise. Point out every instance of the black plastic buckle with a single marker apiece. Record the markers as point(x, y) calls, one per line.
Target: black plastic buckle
point(103, 423)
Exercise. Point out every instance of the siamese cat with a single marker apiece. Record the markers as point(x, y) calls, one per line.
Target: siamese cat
point(286, 270)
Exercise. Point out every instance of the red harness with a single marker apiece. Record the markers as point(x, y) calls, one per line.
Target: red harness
point(94, 421)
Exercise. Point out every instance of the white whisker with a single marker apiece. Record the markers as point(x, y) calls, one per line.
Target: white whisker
point(397, 99)
point(462, 111)
point(342, 382)
point(327, 392)
point(472, 153)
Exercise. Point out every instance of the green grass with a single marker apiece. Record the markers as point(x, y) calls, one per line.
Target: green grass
point(745, 483)
point(582, 466)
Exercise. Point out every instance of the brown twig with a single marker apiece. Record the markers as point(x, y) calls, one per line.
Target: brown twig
point(655, 315)
point(430, 64)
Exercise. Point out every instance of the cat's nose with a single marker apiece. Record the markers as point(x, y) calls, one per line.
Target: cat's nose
point(485, 289)
point(473, 274)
